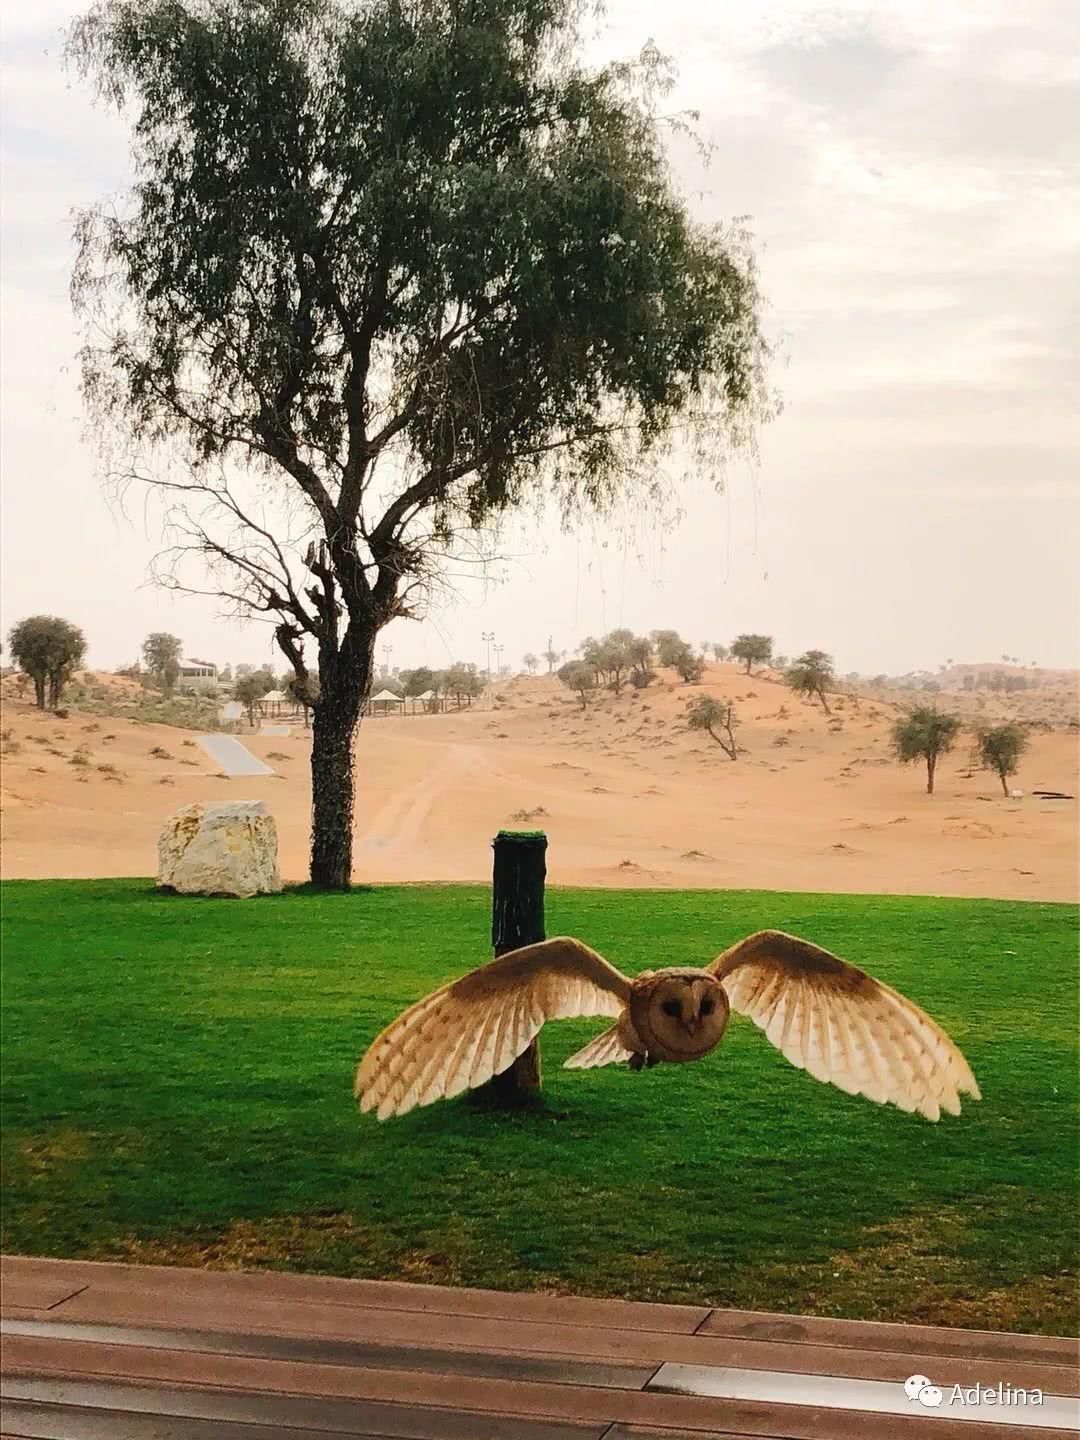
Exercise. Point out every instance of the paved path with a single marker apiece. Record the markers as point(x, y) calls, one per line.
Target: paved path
point(119, 1352)
point(233, 756)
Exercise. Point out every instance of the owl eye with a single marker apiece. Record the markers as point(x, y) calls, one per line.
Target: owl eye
point(708, 1006)
point(672, 1008)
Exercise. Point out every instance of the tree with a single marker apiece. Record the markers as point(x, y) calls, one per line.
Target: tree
point(999, 748)
point(752, 650)
point(925, 734)
point(418, 265)
point(161, 654)
point(49, 650)
point(579, 676)
point(641, 672)
point(689, 666)
point(530, 661)
point(707, 713)
point(610, 657)
point(251, 688)
point(302, 692)
point(668, 644)
point(552, 658)
point(463, 682)
point(720, 651)
point(417, 682)
point(810, 674)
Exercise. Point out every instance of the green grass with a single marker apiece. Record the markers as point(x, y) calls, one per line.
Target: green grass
point(177, 1088)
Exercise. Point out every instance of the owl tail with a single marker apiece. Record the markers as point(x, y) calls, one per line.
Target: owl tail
point(606, 1049)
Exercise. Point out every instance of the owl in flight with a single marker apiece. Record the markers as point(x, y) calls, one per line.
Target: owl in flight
point(836, 1022)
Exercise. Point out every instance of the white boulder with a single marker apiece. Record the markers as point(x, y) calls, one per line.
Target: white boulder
point(220, 850)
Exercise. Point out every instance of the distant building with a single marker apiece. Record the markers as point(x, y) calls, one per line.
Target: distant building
point(199, 675)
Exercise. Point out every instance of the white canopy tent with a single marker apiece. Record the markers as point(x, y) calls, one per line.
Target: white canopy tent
point(383, 699)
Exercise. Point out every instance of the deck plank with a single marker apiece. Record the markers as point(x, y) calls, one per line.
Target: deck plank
point(301, 1412)
point(273, 1285)
point(333, 1324)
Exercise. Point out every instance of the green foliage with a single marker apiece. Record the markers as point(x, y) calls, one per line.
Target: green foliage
point(579, 676)
point(668, 644)
point(689, 666)
point(237, 1112)
point(999, 748)
point(752, 650)
point(924, 734)
point(161, 655)
point(707, 713)
point(417, 682)
point(463, 682)
point(530, 661)
point(49, 650)
point(251, 688)
point(811, 674)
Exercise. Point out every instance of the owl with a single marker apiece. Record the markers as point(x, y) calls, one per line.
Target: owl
point(828, 1018)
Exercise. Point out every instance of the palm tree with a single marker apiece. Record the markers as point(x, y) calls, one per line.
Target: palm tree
point(925, 734)
point(810, 674)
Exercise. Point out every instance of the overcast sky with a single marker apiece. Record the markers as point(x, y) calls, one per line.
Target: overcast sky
point(911, 170)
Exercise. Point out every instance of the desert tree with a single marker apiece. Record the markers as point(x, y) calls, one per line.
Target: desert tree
point(668, 644)
point(580, 677)
point(720, 651)
point(390, 270)
point(999, 748)
point(49, 650)
point(552, 657)
point(530, 661)
point(417, 682)
point(924, 734)
point(707, 713)
point(810, 675)
point(752, 650)
point(640, 654)
point(687, 665)
point(251, 688)
point(464, 682)
point(161, 656)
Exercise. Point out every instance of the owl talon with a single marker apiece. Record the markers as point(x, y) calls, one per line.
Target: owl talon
point(637, 1062)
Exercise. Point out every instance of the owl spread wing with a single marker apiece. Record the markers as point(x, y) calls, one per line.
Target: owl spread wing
point(844, 1027)
point(460, 1036)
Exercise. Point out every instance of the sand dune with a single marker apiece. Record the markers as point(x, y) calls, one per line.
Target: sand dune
point(627, 795)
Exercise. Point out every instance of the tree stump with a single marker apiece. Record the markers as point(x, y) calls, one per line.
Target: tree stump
point(517, 919)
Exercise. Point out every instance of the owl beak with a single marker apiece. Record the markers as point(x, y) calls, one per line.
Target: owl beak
point(692, 1024)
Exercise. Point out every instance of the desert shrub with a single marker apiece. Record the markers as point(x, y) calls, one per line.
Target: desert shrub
point(276, 755)
point(81, 757)
point(160, 753)
point(706, 713)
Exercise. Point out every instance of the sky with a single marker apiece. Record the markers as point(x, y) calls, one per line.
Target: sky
point(911, 170)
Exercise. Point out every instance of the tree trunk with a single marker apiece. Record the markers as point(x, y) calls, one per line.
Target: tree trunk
point(931, 765)
point(824, 702)
point(517, 919)
point(39, 691)
point(1004, 783)
point(335, 719)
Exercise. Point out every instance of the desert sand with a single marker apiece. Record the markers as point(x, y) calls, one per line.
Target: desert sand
point(627, 794)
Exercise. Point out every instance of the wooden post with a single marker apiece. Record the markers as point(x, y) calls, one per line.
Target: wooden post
point(517, 919)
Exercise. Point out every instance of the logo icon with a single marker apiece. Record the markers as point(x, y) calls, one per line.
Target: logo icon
point(919, 1387)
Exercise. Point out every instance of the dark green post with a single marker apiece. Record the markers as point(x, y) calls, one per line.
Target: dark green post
point(517, 919)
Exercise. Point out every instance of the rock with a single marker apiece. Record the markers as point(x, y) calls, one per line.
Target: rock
point(220, 850)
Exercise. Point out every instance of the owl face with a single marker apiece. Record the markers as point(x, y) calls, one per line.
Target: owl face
point(680, 1014)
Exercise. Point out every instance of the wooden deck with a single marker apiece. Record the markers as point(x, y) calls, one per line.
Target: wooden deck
point(117, 1352)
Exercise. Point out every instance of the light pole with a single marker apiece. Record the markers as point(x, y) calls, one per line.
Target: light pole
point(488, 636)
point(387, 651)
point(498, 651)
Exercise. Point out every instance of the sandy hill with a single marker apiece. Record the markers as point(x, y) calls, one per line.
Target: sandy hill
point(627, 794)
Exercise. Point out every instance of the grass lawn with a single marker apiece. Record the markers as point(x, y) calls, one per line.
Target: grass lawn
point(177, 1089)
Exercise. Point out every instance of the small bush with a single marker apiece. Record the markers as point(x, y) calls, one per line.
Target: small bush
point(166, 780)
point(276, 755)
point(81, 757)
point(160, 753)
